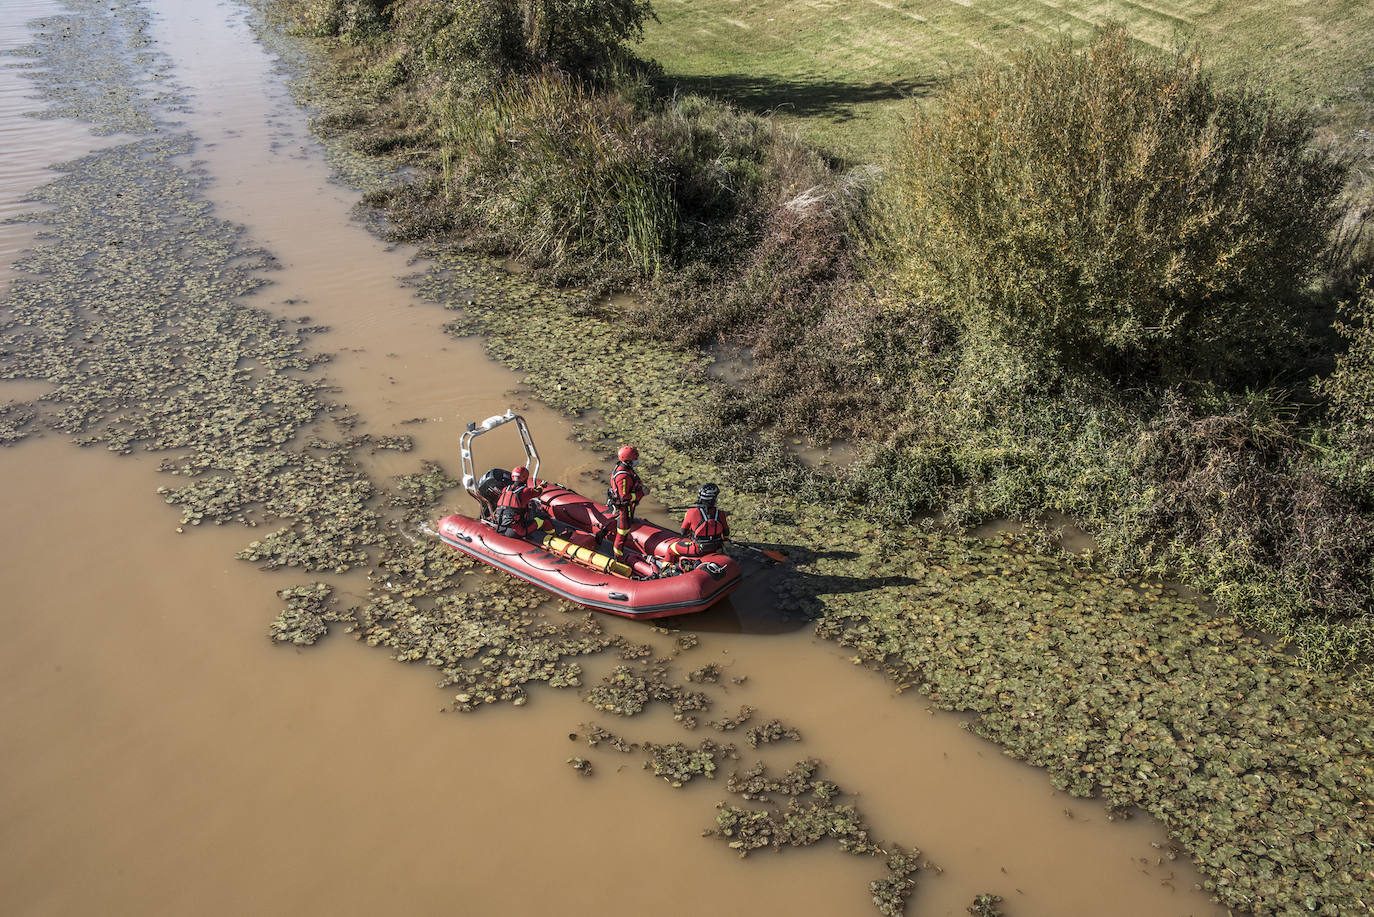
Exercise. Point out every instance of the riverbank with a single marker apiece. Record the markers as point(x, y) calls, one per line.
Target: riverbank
point(1094, 676)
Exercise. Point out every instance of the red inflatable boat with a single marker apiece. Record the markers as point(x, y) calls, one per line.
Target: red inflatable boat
point(568, 563)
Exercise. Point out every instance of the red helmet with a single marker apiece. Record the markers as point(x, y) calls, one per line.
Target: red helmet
point(628, 454)
point(519, 474)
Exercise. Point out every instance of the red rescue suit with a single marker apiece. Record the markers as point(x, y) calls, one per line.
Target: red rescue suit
point(708, 529)
point(623, 498)
point(514, 514)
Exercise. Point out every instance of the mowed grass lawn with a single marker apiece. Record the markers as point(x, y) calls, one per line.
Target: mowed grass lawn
point(846, 71)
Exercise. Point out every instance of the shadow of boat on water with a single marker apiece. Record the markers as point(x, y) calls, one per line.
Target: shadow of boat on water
point(754, 607)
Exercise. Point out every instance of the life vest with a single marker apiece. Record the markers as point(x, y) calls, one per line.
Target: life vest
point(709, 531)
point(514, 515)
point(622, 493)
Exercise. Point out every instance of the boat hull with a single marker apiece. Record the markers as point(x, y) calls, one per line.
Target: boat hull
point(715, 576)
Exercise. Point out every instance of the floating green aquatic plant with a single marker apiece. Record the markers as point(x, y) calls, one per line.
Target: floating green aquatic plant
point(308, 609)
point(812, 813)
point(679, 764)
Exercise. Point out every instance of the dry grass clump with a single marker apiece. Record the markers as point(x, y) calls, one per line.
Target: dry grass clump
point(606, 185)
point(1237, 503)
point(1348, 447)
point(559, 173)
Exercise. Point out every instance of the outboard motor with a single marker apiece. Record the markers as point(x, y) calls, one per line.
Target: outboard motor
point(489, 489)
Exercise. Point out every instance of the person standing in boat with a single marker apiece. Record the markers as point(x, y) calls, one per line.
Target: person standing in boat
point(515, 515)
point(623, 497)
point(705, 524)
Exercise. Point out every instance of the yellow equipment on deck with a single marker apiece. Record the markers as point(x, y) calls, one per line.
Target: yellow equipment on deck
point(586, 557)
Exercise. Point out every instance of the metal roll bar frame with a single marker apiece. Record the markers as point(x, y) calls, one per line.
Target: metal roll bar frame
point(475, 430)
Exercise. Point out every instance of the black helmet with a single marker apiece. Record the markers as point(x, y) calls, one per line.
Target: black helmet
point(708, 494)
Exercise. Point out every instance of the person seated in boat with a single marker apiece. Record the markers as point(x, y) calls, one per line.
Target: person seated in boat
point(623, 498)
point(515, 514)
point(705, 526)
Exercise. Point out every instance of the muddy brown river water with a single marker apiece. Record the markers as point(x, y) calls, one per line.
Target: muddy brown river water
point(161, 756)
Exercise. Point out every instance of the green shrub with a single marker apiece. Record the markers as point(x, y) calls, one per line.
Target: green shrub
point(582, 34)
point(558, 172)
point(453, 40)
point(351, 20)
point(461, 41)
point(1113, 207)
point(493, 37)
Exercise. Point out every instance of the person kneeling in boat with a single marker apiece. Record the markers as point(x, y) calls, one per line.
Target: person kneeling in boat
point(705, 524)
point(515, 515)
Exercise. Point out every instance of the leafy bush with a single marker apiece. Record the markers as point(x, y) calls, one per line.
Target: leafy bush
point(350, 20)
point(498, 36)
point(561, 173)
point(454, 39)
point(582, 34)
point(1113, 207)
point(1107, 211)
